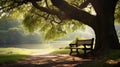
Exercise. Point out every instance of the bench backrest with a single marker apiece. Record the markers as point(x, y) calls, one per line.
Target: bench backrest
point(88, 42)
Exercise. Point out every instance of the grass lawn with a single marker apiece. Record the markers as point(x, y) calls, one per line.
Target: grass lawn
point(61, 51)
point(9, 55)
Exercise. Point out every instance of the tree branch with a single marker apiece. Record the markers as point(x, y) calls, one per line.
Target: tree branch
point(84, 4)
point(61, 15)
point(74, 12)
point(44, 9)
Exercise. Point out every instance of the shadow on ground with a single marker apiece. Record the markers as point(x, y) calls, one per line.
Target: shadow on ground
point(59, 60)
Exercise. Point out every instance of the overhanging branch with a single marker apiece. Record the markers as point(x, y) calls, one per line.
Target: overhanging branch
point(61, 15)
point(84, 4)
point(74, 12)
point(47, 10)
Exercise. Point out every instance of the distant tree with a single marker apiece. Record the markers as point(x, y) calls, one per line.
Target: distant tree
point(3, 37)
point(12, 32)
point(32, 38)
point(6, 27)
point(15, 36)
point(6, 23)
point(57, 11)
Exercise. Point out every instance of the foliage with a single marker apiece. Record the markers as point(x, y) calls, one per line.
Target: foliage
point(52, 26)
point(48, 26)
point(117, 12)
point(49, 22)
point(56, 18)
point(12, 32)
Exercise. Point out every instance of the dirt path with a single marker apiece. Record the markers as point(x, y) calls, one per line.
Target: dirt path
point(48, 60)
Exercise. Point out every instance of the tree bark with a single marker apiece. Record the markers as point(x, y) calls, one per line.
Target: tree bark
point(106, 37)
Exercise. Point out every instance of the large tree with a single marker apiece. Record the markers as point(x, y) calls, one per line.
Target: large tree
point(56, 11)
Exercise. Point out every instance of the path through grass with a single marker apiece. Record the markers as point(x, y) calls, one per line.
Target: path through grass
point(11, 54)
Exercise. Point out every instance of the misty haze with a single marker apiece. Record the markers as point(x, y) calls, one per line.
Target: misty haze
point(13, 35)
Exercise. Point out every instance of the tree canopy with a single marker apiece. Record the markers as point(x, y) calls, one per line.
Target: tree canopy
point(59, 17)
point(47, 18)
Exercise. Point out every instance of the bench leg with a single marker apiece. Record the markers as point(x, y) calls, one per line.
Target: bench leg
point(77, 52)
point(71, 51)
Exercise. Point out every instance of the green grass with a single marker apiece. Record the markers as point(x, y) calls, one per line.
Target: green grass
point(11, 58)
point(8, 55)
point(61, 51)
point(11, 54)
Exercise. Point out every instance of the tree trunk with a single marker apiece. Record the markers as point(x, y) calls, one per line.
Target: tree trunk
point(106, 37)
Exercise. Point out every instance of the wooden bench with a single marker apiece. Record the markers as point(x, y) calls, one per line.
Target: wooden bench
point(87, 45)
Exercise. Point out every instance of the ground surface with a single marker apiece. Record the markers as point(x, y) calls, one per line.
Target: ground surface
point(48, 60)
